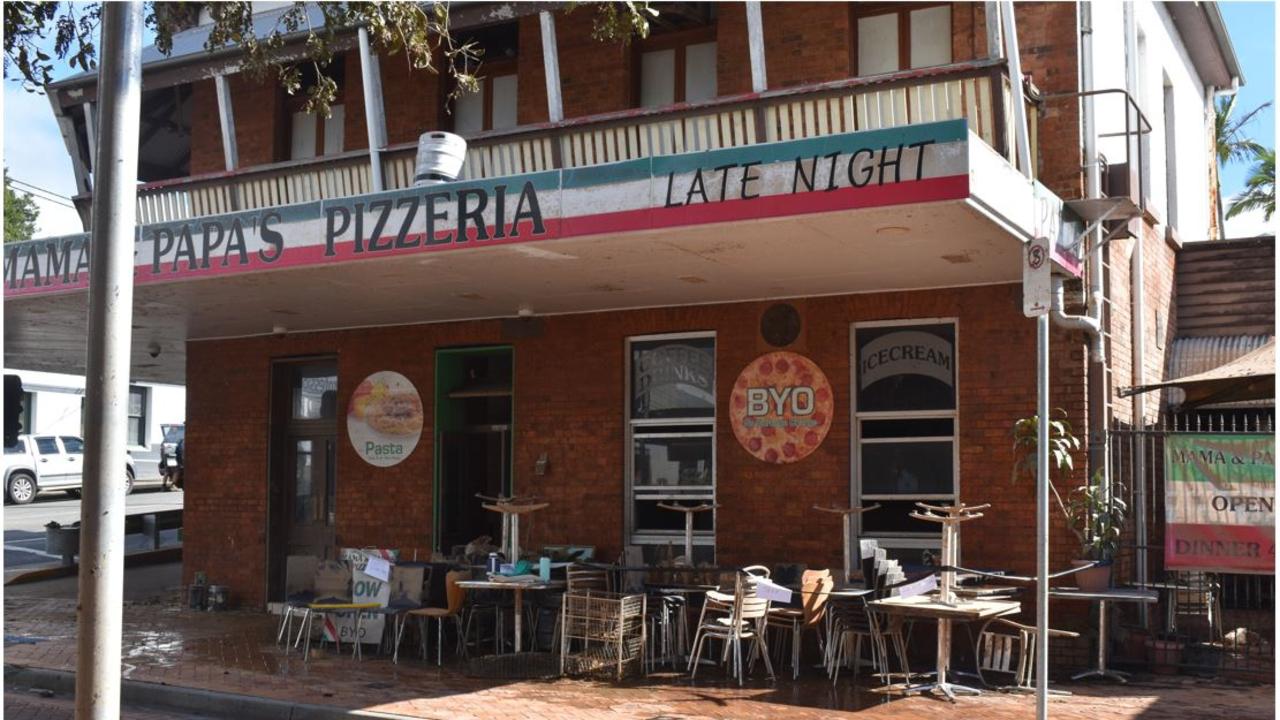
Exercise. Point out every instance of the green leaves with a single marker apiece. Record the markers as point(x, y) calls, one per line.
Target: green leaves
point(1098, 514)
point(1259, 188)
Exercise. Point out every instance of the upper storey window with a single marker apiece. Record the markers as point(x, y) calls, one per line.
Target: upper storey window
point(677, 63)
point(311, 135)
point(891, 37)
point(494, 104)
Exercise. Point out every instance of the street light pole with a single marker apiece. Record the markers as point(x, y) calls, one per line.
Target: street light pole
point(110, 338)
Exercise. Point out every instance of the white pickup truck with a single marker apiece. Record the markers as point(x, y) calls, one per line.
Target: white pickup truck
point(36, 463)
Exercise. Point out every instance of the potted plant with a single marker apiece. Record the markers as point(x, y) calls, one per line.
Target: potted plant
point(1094, 513)
point(1097, 516)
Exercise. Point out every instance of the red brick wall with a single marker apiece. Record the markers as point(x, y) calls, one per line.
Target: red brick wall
point(259, 114)
point(570, 384)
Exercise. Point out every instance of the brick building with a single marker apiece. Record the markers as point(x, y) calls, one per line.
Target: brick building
point(583, 314)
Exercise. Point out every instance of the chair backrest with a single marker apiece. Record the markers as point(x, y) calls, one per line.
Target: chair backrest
point(456, 595)
point(815, 586)
point(579, 578)
point(756, 571)
point(1003, 652)
point(1197, 598)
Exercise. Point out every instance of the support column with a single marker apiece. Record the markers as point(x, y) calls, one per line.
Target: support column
point(228, 122)
point(375, 118)
point(755, 42)
point(551, 66)
point(994, 40)
point(91, 131)
point(110, 339)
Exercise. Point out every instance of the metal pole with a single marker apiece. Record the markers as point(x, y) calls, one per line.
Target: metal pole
point(1042, 517)
point(110, 338)
point(1041, 663)
point(374, 118)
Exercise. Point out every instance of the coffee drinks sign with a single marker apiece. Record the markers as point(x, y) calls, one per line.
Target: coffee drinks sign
point(781, 407)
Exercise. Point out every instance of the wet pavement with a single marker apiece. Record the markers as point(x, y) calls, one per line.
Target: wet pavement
point(234, 652)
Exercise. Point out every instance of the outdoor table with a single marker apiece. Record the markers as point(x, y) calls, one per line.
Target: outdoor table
point(1102, 598)
point(516, 587)
point(930, 607)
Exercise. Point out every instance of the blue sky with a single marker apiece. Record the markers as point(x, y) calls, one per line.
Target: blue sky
point(34, 151)
point(1252, 26)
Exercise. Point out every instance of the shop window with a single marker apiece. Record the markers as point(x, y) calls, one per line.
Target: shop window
point(315, 392)
point(311, 135)
point(671, 436)
point(893, 37)
point(677, 67)
point(905, 415)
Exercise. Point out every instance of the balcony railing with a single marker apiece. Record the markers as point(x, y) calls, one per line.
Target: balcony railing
point(978, 91)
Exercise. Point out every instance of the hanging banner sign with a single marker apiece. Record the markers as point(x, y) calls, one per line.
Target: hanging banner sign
point(781, 407)
point(384, 418)
point(1220, 494)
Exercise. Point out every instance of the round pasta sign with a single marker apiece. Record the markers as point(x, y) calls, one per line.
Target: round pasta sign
point(781, 407)
point(384, 418)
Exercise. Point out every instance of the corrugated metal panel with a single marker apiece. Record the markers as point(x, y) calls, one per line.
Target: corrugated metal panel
point(1191, 355)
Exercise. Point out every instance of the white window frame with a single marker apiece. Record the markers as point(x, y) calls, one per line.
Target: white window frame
point(701, 538)
point(900, 540)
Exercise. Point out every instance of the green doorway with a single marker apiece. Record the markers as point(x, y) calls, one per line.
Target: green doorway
point(475, 416)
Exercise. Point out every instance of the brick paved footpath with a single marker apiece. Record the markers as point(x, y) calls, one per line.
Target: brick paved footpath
point(234, 652)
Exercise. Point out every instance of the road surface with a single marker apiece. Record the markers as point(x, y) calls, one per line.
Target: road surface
point(24, 525)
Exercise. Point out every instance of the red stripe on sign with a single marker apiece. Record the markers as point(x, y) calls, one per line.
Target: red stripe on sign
point(916, 191)
point(1227, 548)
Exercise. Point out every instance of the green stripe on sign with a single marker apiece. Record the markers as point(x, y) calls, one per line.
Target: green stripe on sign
point(1221, 460)
point(618, 172)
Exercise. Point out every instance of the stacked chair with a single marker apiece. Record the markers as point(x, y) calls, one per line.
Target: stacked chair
point(815, 586)
point(745, 616)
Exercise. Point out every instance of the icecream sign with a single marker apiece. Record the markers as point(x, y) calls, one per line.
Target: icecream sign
point(384, 418)
point(781, 407)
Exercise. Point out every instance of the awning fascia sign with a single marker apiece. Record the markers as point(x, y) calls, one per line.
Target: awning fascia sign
point(878, 168)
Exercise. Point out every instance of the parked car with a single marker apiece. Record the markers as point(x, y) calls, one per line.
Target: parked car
point(36, 463)
point(171, 451)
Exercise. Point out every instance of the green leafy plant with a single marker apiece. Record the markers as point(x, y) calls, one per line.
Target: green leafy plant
point(1097, 516)
point(1062, 442)
point(1094, 514)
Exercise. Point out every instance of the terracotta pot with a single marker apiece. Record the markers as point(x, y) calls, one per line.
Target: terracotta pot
point(1164, 656)
point(1094, 579)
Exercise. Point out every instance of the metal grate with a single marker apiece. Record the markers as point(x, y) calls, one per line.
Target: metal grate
point(1220, 622)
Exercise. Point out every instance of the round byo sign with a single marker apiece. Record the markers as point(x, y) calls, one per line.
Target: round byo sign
point(781, 407)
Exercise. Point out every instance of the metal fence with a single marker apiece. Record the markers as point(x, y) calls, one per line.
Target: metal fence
point(1204, 622)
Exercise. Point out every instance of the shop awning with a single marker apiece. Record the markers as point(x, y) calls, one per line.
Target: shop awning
point(1250, 377)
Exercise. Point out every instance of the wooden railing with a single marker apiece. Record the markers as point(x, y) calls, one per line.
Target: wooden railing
point(976, 91)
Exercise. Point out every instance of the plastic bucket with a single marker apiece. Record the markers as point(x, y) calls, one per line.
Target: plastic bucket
point(440, 156)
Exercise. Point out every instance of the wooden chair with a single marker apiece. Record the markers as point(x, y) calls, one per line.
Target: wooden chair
point(814, 588)
point(1010, 648)
point(747, 620)
point(456, 598)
